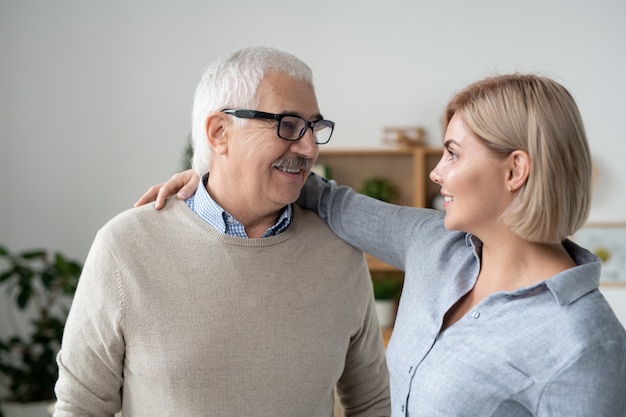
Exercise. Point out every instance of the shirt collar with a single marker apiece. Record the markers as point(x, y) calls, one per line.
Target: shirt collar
point(567, 286)
point(204, 206)
point(570, 285)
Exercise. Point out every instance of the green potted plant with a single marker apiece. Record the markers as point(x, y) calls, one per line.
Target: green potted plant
point(41, 285)
point(379, 188)
point(387, 288)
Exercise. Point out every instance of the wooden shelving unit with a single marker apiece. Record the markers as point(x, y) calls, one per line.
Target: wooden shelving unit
point(407, 169)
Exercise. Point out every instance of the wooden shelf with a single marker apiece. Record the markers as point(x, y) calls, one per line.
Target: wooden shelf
point(387, 335)
point(407, 169)
point(376, 265)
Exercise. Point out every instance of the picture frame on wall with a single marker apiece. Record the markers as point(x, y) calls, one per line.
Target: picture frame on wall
point(608, 242)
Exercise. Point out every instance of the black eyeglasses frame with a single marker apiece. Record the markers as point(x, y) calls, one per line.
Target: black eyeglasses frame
point(256, 114)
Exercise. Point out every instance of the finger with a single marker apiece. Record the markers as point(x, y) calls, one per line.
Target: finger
point(184, 184)
point(190, 184)
point(148, 196)
point(181, 183)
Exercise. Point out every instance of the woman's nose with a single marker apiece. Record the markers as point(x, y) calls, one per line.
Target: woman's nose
point(435, 175)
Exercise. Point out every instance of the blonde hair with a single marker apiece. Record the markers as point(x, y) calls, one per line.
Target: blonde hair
point(539, 116)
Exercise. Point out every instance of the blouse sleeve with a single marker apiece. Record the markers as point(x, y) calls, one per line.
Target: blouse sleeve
point(383, 230)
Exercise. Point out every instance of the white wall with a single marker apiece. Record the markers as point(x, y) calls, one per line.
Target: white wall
point(95, 96)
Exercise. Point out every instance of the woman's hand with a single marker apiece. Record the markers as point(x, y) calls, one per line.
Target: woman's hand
point(183, 184)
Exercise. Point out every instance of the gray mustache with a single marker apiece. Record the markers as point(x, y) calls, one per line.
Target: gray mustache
point(297, 162)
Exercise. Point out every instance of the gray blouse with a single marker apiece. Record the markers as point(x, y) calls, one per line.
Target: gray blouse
point(551, 349)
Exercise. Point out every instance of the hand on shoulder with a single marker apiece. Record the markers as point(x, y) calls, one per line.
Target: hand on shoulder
point(183, 184)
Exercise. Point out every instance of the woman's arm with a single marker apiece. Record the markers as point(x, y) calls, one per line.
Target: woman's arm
point(378, 228)
point(381, 229)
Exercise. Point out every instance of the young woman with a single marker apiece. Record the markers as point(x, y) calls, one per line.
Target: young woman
point(500, 313)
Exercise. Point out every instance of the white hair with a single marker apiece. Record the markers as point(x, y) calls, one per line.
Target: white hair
point(232, 82)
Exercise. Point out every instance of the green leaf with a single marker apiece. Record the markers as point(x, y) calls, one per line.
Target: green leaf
point(379, 188)
point(386, 288)
point(34, 254)
point(6, 275)
point(48, 278)
point(23, 297)
point(28, 370)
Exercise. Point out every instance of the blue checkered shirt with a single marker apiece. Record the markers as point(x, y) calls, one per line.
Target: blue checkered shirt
point(204, 206)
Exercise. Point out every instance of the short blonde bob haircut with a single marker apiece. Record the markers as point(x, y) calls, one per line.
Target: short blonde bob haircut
point(539, 116)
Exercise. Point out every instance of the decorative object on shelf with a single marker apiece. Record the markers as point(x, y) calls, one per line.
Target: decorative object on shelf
point(404, 137)
point(608, 242)
point(387, 289)
point(379, 188)
point(41, 286)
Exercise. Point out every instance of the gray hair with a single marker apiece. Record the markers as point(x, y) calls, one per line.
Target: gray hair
point(232, 82)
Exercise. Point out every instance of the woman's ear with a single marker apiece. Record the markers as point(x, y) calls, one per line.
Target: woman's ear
point(217, 132)
point(519, 170)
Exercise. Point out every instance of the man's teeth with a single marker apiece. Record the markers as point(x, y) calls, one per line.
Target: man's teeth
point(290, 170)
point(447, 198)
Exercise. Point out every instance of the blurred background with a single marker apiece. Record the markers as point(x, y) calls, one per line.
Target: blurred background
point(95, 97)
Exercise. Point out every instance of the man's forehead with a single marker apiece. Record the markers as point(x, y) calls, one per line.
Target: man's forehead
point(280, 93)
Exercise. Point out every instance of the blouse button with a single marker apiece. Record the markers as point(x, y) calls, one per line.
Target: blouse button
point(476, 314)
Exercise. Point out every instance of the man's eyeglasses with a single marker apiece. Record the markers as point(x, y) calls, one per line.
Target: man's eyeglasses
point(290, 127)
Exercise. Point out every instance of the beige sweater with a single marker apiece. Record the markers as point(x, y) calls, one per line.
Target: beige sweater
point(173, 318)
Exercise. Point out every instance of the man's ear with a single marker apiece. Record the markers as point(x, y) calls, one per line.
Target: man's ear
point(519, 170)
point(218, 131)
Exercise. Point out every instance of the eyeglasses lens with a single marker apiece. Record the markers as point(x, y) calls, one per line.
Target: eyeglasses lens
point(322, 131)
point(293, 128)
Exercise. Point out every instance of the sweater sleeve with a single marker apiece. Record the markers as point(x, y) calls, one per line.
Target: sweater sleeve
point(91, 359)
point(364, 386)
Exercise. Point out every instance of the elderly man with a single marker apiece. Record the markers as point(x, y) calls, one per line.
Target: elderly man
point(235, 301)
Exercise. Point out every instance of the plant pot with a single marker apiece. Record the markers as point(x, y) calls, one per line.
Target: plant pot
point(39, 409)
point(386, 312)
